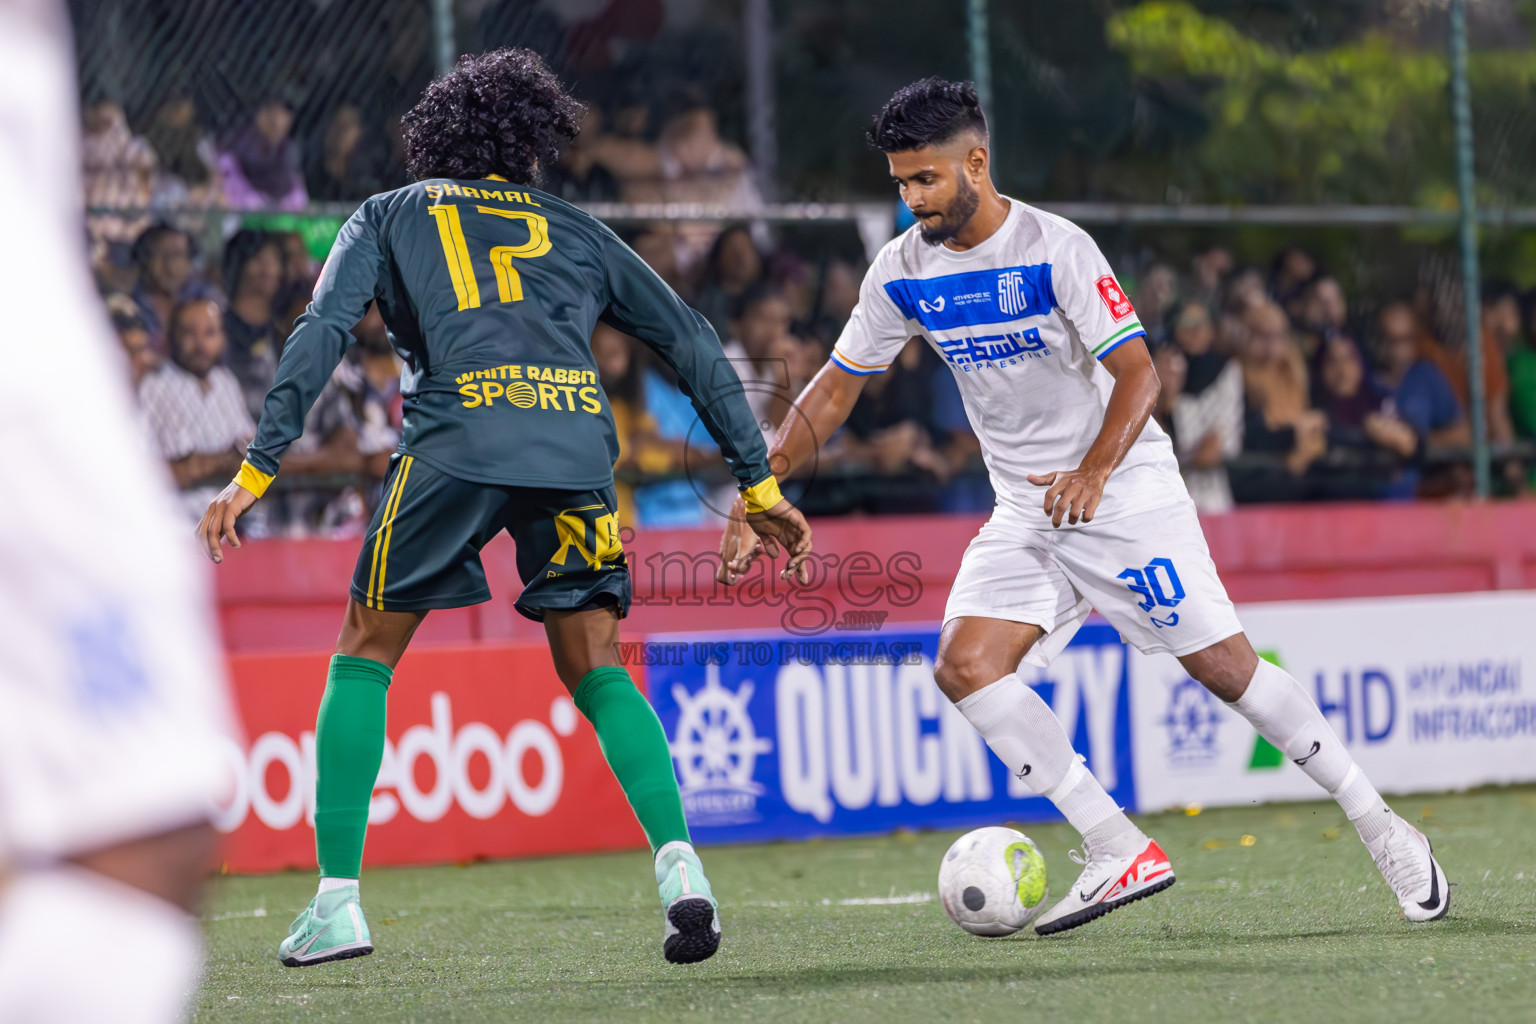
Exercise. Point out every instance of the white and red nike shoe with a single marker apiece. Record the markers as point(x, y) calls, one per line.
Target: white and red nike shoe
point(1119, 873)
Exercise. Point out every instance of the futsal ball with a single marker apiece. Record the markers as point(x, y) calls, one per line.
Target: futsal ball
point(992, 881)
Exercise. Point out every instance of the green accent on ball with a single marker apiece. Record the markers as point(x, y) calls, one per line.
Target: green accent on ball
point(1028, 870)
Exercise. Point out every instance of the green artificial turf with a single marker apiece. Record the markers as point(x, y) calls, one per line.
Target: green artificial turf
point(1297, 927)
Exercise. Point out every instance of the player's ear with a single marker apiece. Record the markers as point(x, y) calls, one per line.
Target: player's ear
point(977, 162)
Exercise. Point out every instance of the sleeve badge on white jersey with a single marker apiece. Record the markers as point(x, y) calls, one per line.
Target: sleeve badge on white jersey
point(1114, 297)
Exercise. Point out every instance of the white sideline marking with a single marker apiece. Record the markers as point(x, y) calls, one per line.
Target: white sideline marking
point(852, 901)
point(885, 901)
point(232, 914)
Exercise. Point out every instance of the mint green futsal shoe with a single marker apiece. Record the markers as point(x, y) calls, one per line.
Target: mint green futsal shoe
point(330, 928)
point(692, 931)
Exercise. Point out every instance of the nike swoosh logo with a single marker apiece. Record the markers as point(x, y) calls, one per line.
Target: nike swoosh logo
point(1434, 884)
point(1316, 746)
point(312, 940)
point(1024, 771)
point(1087, 897)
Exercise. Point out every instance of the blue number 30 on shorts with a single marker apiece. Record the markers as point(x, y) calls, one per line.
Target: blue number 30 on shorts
point(1158, 584)
point(1020, 569)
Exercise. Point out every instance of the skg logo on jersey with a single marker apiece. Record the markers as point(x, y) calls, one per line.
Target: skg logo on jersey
point(936, 306)
point(993, 350)
point(1114, 297)
point(1010, 293)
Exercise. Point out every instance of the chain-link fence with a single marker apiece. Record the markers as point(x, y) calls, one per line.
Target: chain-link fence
point(1299, 149)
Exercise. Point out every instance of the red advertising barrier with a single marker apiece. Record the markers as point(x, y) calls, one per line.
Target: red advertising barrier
point(486, 758)
point(289, 595)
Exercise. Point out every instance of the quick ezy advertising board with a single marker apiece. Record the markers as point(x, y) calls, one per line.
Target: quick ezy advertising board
point(778, 737)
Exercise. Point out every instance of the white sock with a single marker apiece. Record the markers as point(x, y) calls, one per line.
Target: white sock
point(675, 846)
point(1282, 712)
point(77, 947)
point(1027, 737)
point(327, 884)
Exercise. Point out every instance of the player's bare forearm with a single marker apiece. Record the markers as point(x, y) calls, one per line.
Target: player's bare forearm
point(1130, 404)
point(1073, 495)
point(822, 407)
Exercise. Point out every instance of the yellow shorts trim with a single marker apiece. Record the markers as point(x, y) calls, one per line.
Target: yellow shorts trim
point(380, 566)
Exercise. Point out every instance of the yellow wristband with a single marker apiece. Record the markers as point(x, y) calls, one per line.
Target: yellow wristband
point(253, 479)
point(763, 495)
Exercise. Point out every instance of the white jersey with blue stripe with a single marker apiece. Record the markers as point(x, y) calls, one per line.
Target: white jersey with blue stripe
point(1022, 320)
point(112, 697)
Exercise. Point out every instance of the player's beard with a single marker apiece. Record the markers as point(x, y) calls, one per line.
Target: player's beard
point(964, 206)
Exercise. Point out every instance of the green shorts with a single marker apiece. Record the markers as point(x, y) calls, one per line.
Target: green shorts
point(423, 546)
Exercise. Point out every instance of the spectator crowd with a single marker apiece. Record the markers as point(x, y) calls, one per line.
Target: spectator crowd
point(1276, 388)
point(202, 350)
point(1276, 384)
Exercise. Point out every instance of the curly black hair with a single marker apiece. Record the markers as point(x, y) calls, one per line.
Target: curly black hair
point(929, 112)
point(502, 112)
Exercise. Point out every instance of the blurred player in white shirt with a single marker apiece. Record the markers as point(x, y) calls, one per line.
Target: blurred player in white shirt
point(111, 689)
point(1091, 513)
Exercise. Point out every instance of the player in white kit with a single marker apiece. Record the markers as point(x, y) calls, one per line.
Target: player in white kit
point(111, 688)
point(1091, 513)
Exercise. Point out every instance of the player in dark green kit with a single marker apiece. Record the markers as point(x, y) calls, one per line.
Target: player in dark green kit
point(491, 290)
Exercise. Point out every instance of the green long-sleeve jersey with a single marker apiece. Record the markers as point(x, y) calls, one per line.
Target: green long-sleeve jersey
point(491, 292)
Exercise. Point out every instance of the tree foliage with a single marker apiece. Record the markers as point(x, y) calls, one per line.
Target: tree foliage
point(1365, 121)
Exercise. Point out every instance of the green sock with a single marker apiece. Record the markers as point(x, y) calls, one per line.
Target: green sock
point(636, 748)
point(349, 746)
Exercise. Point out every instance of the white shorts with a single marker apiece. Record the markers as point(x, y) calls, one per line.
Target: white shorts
point(1150, 574)
point(114, 714)
point(112, 692)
